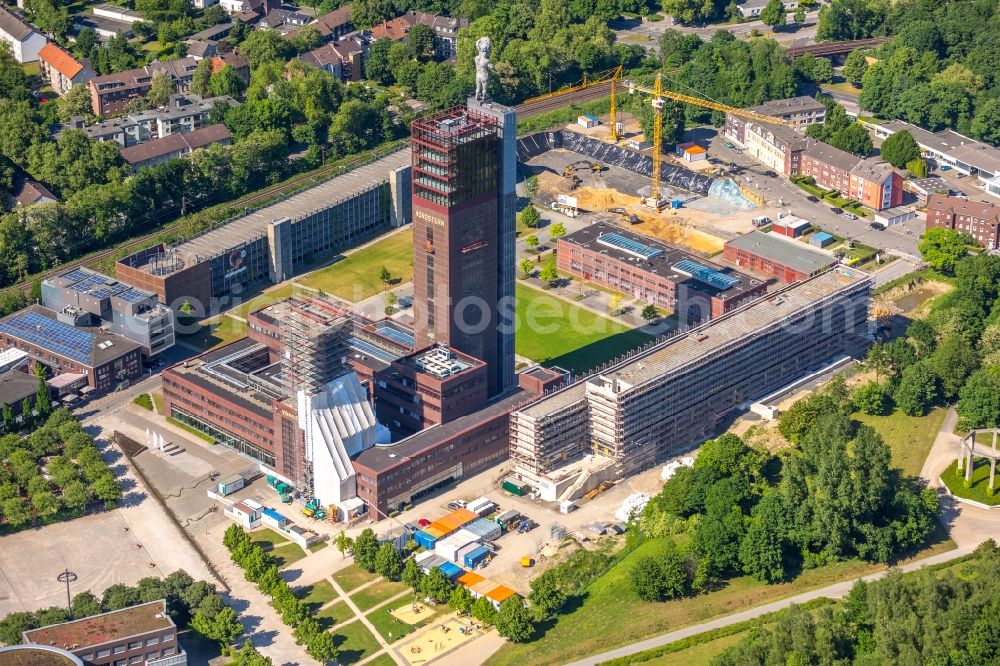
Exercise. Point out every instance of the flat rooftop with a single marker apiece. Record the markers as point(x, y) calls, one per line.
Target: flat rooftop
point(106, 627)
point(787, 252)
point(26, 655)
point(380, 458)
point(84, 344)
point(212, 372)
point(304, 203)
point(789, 106)
point(673, 354)
point(663, 260)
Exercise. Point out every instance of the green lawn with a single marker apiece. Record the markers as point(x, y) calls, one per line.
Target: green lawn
point(955, 480)
point(909, 437)
point(219, 331)
point(355, 643)
point(375, 594)
point(356, 278)
point(610, 615)
point(334, 614)
point(698, 655)
point(318, 546)
point(270, 296)
point(382, 660)
point(287, 554)
point(317, 594)
point(556, 332)
point(352, 576)
point(268, 538)
point(158, 401)
point(386, 623)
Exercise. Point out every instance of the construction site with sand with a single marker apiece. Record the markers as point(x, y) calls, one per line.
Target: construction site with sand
point(703, 218)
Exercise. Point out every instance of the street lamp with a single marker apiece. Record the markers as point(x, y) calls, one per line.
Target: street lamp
point(67, 577)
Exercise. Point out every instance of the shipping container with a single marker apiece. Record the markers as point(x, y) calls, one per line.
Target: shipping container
point(230, 485)
point(451, 570)
point(424, 539)
point(476, 557)
point(487, 530)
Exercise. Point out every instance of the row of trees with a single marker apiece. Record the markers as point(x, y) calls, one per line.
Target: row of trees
point(190, 603)
point(926, 617)
point(75, 472)
point(833, 496)
point(259, 568)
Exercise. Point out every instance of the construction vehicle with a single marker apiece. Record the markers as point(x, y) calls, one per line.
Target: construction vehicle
point(527, 562)
point(631, 218)
point(282, 488)
point(659, 95)
point(313, 509)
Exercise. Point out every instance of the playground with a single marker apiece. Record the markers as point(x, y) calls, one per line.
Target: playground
point(411, 613)
point(437, 640)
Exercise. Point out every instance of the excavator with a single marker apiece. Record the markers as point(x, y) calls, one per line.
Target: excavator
point(631, 218)
point(570, 169)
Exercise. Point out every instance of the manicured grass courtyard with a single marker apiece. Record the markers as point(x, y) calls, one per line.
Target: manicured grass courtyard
point(387, 624)
point(382, 660)
point(553, 331)
point(909, 437)
point(279, 293)
point(375, 594)
point(352, 576)
point(317, 594)
point(610, 615)
point(268, 539)
point(219, 331)
point(356, 277)
point(355, 642)
point(287, 555)
point(955, 480)
point(333, 615)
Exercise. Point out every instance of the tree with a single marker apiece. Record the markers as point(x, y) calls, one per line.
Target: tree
point(343, 543)
point(307, 38)
point(527, 267)
point(953, 361)
point(900, 148)
point(649, 312)
point(420, 40)
point(222, 627)
point(387, 562)
point(917, 168)
point(226, 81)
point(160, 90)
point(377, 67)
point(8, 416)
point(366, 550)
point(461, 599)
point(549, 273)
point(384, 276)
point(263, 46)
point(85, 604)
point(437, 586)
point(45, 503)
point(853, 139)
point(514, 621)
point(413, 575)
point(366, 13)
point(248, 655)
point(531, 242)
point(557, 230)
point(615, 304)
point(942, 248)
point(871, 398)
point(12, 626)
point(43, 403)
point(201, 79)
point(484, 611)
point(15, 512)
point(855, 66)
point(774, 13)
point(986, 123)
point(322, 647)
point(546, 596)
point(978, 401)
point(917, 390)
point(234, 537)
point(530, 217)
point(119, 596)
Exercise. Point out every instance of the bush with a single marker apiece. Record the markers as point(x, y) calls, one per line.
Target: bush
point(144, 401)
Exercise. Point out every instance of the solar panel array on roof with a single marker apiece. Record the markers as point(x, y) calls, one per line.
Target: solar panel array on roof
point(76, 275)
point(706, 275)
point(50, 334)
point(628, 245)
point(132, 296)
point(398, 336)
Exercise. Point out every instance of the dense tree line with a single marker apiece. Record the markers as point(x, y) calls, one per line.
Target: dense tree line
point(76, 473)
point(831, 497)
point(190, 604)
point(927, 617)
point(940, 69)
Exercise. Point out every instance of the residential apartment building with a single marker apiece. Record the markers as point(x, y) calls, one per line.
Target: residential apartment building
point(799, 112)
point(668, 398)
point(25, 42)
point(110, 94)
point(235, 60)
point(342, 58)
point(183, 113)
point(176, 145)
point(643, 268)
point(62, 70)
point(445, 31)
point(979, 219)
point(872, 182)
point(776, 146)
point(142, 634)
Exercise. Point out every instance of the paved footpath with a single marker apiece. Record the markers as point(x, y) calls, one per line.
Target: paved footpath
point(968, 526)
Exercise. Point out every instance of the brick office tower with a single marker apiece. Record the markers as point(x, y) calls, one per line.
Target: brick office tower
point(463, 234)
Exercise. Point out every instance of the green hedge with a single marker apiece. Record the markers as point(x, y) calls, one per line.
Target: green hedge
point(144, 401)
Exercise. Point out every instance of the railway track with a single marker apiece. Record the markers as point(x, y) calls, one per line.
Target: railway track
point(246, 202)
point(559, 101)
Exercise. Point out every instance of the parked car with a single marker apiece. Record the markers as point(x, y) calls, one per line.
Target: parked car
point(850, 216)
point(877, 226)
point(729, 145)
point(836, 211)
point(423, 522)
point(454, 506)
point(770, 174)
point(812, 198)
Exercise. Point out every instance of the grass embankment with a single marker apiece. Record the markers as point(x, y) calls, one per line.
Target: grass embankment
point(356, 277)
point(909, 437)
point(556, 332)
point(608, 614)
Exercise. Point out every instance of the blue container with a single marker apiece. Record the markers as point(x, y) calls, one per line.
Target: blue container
point(424, 539)
point(676, 203)
point(474, 558)
point(451, 570)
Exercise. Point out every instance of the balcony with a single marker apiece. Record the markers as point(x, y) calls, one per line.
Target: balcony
point(179, 659)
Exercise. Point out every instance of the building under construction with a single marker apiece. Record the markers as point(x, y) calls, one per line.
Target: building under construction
point(631, 416)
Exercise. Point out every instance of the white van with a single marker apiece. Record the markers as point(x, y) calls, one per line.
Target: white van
point(761, 220)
